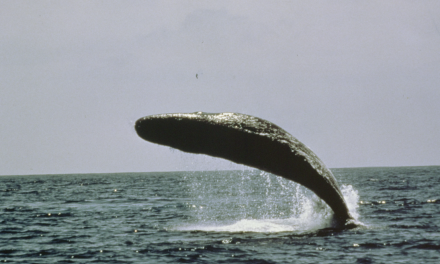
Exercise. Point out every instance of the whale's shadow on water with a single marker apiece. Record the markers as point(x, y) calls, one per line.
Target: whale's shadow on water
point(251, 141)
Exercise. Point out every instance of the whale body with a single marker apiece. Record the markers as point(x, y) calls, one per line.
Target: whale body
point(247, 140)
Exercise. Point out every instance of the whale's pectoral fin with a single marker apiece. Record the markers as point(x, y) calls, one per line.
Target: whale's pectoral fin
point(250, 141)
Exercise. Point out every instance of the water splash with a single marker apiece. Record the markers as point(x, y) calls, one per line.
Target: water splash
point(256, 201)
point(351, 197)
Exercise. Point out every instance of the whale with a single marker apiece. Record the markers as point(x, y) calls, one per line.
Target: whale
point(251, 141)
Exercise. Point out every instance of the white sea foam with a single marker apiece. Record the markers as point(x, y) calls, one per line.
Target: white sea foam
point(304, 223)
point(245, 225)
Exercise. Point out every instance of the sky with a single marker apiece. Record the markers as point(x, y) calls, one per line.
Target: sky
point(356, 81)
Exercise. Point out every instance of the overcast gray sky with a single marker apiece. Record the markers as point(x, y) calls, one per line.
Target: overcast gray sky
point(356, 81)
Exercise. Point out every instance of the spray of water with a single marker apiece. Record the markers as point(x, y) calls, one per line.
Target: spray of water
point(256, 201)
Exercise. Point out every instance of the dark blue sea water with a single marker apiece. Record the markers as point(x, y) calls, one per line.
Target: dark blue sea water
point(218, 217)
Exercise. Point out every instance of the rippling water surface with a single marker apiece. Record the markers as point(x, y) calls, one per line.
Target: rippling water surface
point(218, 217)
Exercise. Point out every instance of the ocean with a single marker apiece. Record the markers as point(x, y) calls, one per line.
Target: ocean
point(240, 216)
